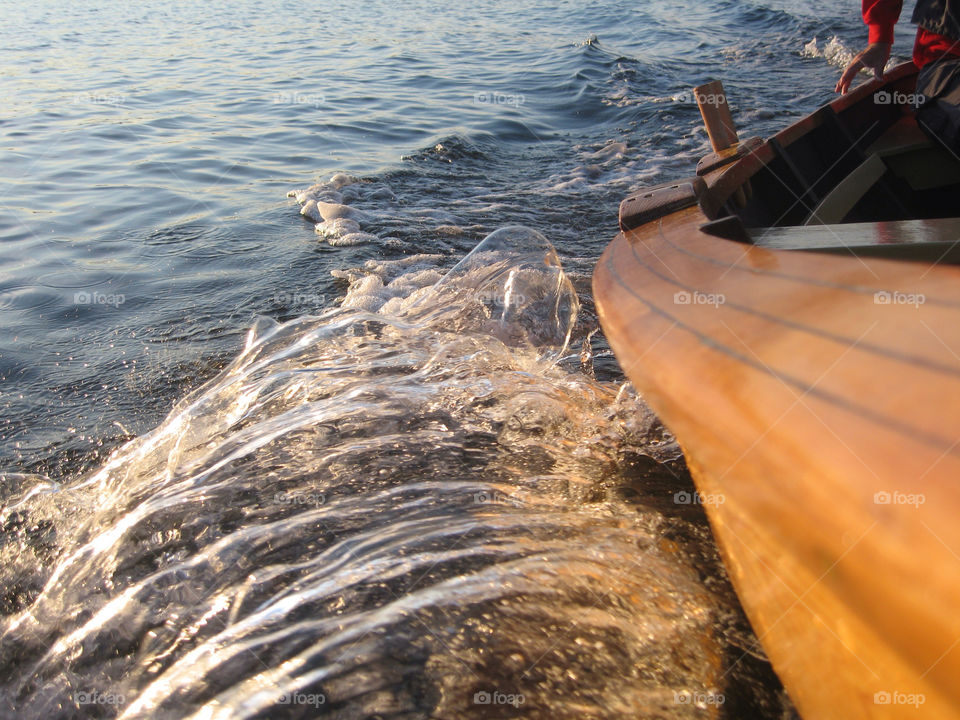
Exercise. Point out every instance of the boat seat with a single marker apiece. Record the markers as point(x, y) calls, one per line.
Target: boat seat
point(907, 153)
point(901, 137)
point(911, 155)
point(847, 193)
point(932, 240)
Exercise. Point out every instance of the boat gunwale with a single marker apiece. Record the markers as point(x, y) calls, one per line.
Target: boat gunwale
point(723, 182)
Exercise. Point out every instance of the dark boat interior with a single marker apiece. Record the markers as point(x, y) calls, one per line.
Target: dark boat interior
point(859, 176)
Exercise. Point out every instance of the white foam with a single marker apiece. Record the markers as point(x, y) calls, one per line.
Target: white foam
point(366, 293)
point(408, 283)
point(833, 51)
point(325, 191)
point(321, 191)
point(338, 227)
point(368, 303)
point(311, 210)
point(613, 150)
point(332, 211)
point(354, 238)
point(398, 304)
point(576, 183)
point(342, 180)
point(389, 286)
point(336, 221)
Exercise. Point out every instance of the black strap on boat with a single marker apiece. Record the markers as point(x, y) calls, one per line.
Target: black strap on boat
point(831, 117)
point(795, 171)
point(730, 227)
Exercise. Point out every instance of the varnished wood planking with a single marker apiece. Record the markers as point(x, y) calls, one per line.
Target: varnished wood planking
point(798, 432)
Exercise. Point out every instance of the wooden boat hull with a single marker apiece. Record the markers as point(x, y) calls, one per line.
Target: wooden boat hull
point(817, 400)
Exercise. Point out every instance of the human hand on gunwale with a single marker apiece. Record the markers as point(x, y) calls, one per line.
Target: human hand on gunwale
point(873, 57)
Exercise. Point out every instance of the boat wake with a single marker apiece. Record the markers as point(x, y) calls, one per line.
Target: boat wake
point(408, 506)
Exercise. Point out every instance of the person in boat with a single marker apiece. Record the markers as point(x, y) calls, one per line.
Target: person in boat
point(936, 53)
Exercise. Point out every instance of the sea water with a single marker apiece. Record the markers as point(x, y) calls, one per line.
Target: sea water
point(304, 410)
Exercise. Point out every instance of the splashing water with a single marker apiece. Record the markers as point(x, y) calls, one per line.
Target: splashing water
point(405, 513)
point(834, 51)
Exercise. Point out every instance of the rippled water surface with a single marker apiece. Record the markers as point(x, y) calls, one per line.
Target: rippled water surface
point(418, 486)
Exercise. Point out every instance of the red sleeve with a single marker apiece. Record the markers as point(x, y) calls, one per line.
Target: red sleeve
point(880, 16)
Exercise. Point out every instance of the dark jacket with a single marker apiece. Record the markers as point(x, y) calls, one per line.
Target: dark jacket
point(939, 16)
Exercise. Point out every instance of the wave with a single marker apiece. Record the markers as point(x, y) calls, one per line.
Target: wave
point(408, 512)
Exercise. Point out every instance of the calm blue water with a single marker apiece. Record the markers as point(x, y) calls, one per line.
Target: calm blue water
point(147, 152)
